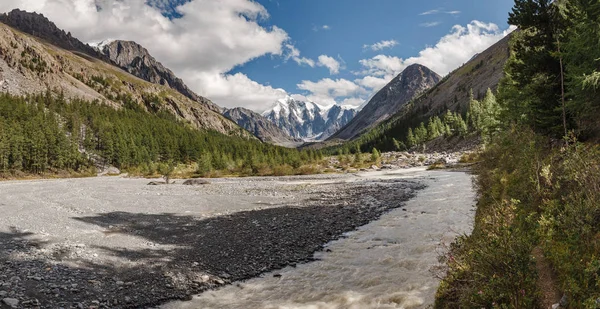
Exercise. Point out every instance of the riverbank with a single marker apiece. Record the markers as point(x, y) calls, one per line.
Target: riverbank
point(386, 264)
point(112, 242)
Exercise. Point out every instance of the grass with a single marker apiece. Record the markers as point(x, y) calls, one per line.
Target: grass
point(532, 194)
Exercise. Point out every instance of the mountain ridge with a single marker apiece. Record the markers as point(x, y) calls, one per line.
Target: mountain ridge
point(261, 127)
point(308, 120)
point(411, 82)
point(30, 64)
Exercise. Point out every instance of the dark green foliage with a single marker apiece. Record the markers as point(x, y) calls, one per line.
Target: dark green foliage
point(32, 139)
point(581, 54)
point(46, 133)
point(535, 192)
point(531, 89)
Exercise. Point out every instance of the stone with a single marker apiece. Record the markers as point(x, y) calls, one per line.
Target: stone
point(564, 301)
point(196, 182)
point(3, 293)
point(11, 302)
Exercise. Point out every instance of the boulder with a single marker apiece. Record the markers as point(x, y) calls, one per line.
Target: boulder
point(196, 182)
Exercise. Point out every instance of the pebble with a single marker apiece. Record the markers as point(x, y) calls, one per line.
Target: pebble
point(11, 302)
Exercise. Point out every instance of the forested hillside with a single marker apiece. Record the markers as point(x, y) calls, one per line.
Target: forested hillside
point(46, 134)
point(538, 177)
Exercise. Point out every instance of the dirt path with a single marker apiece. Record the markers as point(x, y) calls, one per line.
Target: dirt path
point(547, 281)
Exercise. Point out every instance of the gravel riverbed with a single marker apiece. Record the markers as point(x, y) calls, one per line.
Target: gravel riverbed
point(112, 242)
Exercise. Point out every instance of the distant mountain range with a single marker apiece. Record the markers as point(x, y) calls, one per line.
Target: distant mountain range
point(261, 127)
point(308, 120)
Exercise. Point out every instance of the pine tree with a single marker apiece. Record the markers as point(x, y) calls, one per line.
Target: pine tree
point(531, 90)
point(375, 155)
point(410, 139)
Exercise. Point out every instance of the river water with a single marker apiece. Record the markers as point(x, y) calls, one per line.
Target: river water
point(384, 264)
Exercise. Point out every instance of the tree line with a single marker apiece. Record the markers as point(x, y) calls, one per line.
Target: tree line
point(46, 133)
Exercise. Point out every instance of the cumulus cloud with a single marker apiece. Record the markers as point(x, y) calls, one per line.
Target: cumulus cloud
point(381, 45)
point(352, 102)
point(330, 63)
point(210, 38)
point(372, 82)
point(326, 91)
point(450, 52)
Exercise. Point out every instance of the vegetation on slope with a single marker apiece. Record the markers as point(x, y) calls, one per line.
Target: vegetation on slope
point(480, 119)
point(538, 182)
point(46, 134)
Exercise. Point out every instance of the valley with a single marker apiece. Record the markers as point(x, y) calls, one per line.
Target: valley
point(119, 243)
point(239, 154)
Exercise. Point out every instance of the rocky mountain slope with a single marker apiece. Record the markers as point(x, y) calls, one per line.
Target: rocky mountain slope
point(31, 64)
point(135, 59)
point(307, 120)
point(39, 26)
point(413, 81)
point(482, 72)
point(260, 126)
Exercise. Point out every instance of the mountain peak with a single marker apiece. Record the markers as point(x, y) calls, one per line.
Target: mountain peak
point(411, 82)
point(306, 119)
point(39, 26)
point(135, 59)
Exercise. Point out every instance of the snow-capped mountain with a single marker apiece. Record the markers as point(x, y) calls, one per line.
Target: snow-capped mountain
point(308, 120)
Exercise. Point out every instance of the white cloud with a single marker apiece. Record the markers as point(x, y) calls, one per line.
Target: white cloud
point(326, 91)
point(450, 52)
point(232, 90)
point(210, 39)
point(440, 11)
point(372, 82)
point(294, 54)
point(430, 24)
point(330, 63)
point(431, 12)
point(352, 102)
point(319, 28)
point(381, 45)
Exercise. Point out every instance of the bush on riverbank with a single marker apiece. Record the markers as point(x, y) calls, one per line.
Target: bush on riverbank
point(531, 193)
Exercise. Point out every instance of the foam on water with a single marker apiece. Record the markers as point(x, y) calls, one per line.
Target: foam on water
point(385, 264)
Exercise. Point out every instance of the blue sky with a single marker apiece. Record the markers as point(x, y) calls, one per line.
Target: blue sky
point(251, 53)
point(354, 23)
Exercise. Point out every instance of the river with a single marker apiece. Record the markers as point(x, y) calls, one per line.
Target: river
point(384, 264)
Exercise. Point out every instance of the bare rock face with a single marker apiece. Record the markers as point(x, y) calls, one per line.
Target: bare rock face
point(413, 81)
point(39, 26)
point(36, 57)
point(307, 120)
point(135, 59)
point(260, 126)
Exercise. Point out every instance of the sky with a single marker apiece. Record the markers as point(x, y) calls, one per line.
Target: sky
point(251, 53)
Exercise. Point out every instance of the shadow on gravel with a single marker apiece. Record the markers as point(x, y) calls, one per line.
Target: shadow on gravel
point(187, 255)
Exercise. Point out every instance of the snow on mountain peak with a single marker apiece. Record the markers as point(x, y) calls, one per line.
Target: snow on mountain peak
point(306, 119)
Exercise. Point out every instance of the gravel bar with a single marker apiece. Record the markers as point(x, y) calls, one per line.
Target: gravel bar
point(117, 243)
